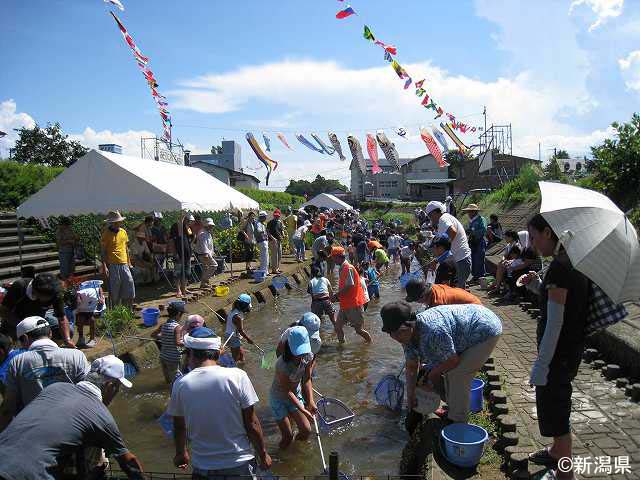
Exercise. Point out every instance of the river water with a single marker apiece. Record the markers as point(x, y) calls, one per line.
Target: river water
point(372, 444)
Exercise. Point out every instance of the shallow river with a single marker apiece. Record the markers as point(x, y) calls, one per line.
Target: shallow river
point(371, 445)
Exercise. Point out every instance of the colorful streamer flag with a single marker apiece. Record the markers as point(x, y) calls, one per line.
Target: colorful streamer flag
point(347, 12)
point(283, 140)
point(327, 149)
point(387, 48)
point(117, 3)
point(267, 142)
point(401, 132)
point(407, 84)
point(419, 83)
point(432, 147)
point(368, 35)
point(388, 57)
point(447, 129)
point(308, 144)
point(389, 149)
point(356, 153)
point(399, 70)
point(270, 164)
point(372, 150)
point(142, 62)
point(333, 138)
point(420, 91)
point(441, 140)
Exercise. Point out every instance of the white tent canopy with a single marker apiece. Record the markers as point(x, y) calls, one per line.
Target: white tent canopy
point(100, 181)
point(328, 201)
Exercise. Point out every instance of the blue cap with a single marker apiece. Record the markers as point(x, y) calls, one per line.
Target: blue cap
point(245, 298)
point(311, 322)
point(298, 340)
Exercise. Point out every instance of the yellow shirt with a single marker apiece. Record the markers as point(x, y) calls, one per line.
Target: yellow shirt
point(115, 246)
point(291, 222)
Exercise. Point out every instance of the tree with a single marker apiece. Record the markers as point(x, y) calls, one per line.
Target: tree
point(311, 189)
point(561, 155)
point(456, 160)
point(616, 165)
point(48, 146)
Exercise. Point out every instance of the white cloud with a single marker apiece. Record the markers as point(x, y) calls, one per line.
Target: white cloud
point(129, 140)
point(604, 9)
point(630, 69)
point(10, 119)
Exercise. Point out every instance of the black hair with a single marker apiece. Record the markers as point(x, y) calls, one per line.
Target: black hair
point(203, 355)
point(5, 343)
point(538, 223)
point(148, 218)
point(443, 242)
point(515, 249)
point(492, 216)
point(46, 284)
point(315, 271)
point(28, 271)
point(41, 332)
point(287, 355)
point(365, 265)
point(240, 305)
point(172, 311)
point(512, 234)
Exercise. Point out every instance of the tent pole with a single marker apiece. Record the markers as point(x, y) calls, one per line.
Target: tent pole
point(182, 259)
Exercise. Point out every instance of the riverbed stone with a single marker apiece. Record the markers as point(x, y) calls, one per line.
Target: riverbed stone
point(499, 409)
point(612, 371)
point(493, 375)
point(622, 382)
point(598, 364)
point(497, 396)
point(590, 354)
point(507, 423)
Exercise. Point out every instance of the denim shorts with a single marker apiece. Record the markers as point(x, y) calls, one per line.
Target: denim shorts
point(282, 408)
point(234, 342)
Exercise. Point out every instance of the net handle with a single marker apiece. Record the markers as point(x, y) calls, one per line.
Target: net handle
point(324, 464)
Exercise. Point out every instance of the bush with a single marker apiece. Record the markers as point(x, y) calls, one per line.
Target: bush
point(522, 188)
point(19, 181)
point(117, 321)
point(269, 201)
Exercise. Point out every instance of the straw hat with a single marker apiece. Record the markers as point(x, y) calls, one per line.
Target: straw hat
point(114, 216)
point(472, 207)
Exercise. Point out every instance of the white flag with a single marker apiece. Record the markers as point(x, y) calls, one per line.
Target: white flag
point(117, 3)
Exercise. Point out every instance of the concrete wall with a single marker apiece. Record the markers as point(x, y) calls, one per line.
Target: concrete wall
point(221, 174)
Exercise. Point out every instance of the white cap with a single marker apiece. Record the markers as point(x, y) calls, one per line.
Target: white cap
point(30, 324)
point(262, 213)
point(157, 214)
point(209, 222)
point(190, 218)
point(307, 223)
point(433, 205)
point(111, 367)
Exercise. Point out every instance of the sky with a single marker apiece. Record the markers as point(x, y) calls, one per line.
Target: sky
point(558, 71)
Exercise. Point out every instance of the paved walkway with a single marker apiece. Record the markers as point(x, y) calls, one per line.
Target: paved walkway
point(606, 423)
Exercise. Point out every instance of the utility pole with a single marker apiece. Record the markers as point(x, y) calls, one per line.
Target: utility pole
point(484, 112)
point(539, 152)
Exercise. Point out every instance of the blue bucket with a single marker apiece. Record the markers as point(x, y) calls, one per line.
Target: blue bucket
point(475, 400)
point(150, 316)
point(279, 281)
point(259, 275)
point(464, 443)
point(166, 423)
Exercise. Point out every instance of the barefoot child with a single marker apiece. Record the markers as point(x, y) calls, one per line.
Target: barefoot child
point(235, 326)
point(291, 395)
point(89, 305)
point(321, 293)
point(170, 336)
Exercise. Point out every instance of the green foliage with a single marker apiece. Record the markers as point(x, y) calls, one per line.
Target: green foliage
point(522, 188)
point(311, 189)
point(269, 201)
point(552, 170)
point(18, 182)
point(117, 321)
point(616, 165)
point(387, 217)
point(47, 146)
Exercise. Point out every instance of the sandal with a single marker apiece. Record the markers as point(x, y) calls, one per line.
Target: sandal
point(544, 458)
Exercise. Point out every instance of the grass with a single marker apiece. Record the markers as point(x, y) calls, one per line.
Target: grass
point(483, 419)
point(119, 320)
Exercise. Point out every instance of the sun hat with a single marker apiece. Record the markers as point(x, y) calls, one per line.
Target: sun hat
point(277, 212)
point(209, 222)
point(433, 205)
point(30, 324)
point(337, 252)
point(202, 338)
point(114, 216)
point(394, 314)
point(111, 367)
point(472, 207)
point(298, 339)
point(245, 298)
point(141, 234)
point(416, 289)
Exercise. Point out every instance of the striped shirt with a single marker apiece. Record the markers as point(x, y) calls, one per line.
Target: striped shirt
point(169, 352)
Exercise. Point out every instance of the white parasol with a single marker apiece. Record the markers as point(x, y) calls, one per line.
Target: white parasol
point(598, 237)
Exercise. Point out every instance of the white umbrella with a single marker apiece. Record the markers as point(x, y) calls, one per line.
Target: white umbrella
point(599, 239)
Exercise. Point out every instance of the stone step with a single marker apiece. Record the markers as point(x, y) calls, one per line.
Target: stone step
point(14, 240)
point(8, 216)
point(28, 258)
point(8, 222)
point(14, 250)
point(8, 232)
point(80, 270)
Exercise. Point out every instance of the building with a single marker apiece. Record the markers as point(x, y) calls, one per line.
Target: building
point(111, 148)
point(419, 179)
point(225, 163)
point(503, 168)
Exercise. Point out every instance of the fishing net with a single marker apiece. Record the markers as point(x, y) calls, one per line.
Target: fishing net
point(333, 414)
point(268, 360)
point(390, 392)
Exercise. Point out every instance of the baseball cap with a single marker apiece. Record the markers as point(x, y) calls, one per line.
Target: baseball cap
point(262, 213)
point(191, 218)
point(202, 338)
point(415, 290)
point(209, 222)
point(311, 322)
point(298, 339)
point(277, 212)
point(245, 298)
point(394, 314)
point(433, 205)
point(111, 367)
point(30, 324)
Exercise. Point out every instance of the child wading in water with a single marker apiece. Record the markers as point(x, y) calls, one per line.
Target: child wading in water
point(170, 335)
point(321, 293)
point(371, 276)
point(235, 326)
point(291, 395)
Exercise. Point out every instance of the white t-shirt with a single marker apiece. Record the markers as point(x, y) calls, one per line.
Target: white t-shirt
point(460, 245)
point(406, 252)
point(218, 441)
point(319, 286)
point(363, 284)
point(393, 242)
point(300, 232)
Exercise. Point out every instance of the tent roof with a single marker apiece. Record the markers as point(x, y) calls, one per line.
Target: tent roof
point(100, 181)
point(328, 201)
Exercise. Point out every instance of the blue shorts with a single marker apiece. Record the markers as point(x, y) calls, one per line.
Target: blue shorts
point(282, 408)
point(234, 342)
point(373, 291)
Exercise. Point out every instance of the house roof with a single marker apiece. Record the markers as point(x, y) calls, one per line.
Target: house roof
point(429, 181)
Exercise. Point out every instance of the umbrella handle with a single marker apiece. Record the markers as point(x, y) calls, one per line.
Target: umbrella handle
point(324, 464)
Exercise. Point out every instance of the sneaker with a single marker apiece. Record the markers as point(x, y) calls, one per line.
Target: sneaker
point(543, 457)
point(91, 343)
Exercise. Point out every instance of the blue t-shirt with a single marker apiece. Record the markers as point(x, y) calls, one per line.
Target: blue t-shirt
point(372, 276)
point(4, 368)
point(447, 330)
